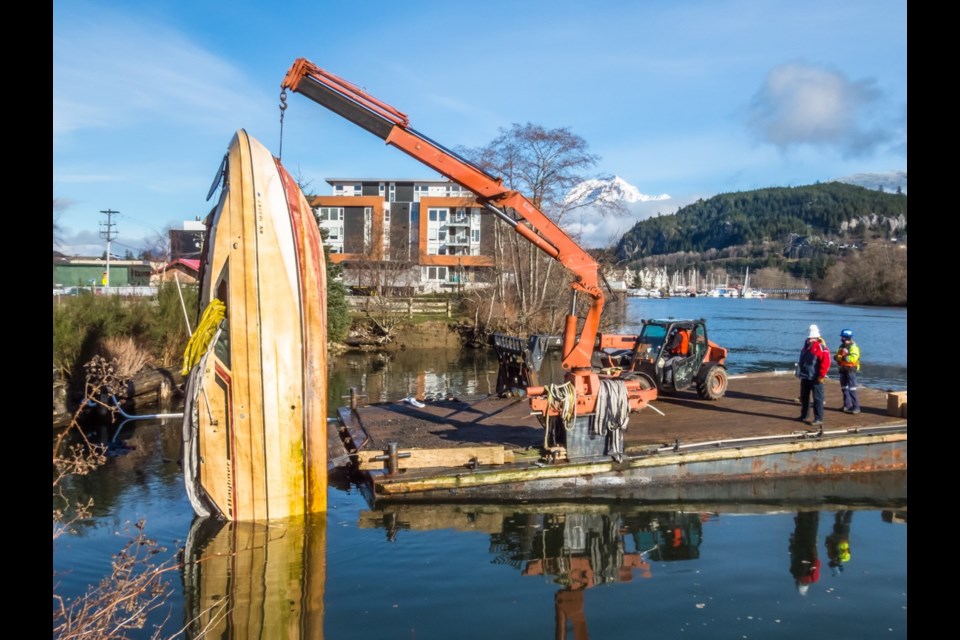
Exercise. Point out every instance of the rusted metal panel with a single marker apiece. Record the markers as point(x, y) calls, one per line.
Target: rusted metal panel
point(634, 477)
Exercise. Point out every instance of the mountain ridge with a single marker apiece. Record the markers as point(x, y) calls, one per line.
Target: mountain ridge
point(772, 218)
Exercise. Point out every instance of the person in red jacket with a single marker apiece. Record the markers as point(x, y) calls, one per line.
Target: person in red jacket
point(804, 561)
point(812, 370)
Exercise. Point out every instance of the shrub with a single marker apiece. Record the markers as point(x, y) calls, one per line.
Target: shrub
point(82, 325)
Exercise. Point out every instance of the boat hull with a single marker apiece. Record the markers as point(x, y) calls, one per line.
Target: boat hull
point(255, 423)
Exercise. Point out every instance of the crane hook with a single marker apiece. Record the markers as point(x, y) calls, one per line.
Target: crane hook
point(283, 108)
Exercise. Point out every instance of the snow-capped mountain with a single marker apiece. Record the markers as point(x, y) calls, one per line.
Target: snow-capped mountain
point(616, 189)
point(888, 180)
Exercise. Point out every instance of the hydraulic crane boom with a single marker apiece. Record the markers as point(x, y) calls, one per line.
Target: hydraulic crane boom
point(393, 126)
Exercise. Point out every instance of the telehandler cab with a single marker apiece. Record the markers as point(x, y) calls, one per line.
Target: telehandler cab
point(702, 366)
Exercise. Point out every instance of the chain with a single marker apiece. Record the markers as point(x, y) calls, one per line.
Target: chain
point(283, 108)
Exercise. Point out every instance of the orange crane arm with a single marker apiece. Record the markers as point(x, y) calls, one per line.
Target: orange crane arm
point(393, 126)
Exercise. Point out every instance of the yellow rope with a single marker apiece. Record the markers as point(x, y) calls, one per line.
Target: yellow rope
point(206, 329)
point(561, 398)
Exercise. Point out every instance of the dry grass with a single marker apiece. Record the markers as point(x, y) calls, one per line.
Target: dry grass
point(129, 357)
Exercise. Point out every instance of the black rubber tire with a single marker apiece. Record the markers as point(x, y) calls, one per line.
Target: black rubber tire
point(645, 382)
point(712, 382)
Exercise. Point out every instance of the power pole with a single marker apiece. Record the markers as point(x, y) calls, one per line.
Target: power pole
point(107, 232)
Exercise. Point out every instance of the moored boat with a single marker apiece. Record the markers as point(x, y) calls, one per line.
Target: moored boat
point(255, 415)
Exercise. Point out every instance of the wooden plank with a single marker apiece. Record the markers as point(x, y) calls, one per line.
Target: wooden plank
point(425, 458)
point(897, 404)
point(432, 517)
point(410, 484)
point(355, 432)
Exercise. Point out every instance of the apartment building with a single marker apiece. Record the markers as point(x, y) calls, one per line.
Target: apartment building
point(409, 236)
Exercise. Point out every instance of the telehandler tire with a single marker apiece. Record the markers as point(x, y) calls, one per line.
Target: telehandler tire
point(712, 382)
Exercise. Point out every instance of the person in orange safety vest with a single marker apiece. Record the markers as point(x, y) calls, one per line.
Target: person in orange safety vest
point(677, 349)
point(848, 359)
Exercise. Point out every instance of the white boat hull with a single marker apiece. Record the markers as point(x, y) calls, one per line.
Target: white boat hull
point(256, 416)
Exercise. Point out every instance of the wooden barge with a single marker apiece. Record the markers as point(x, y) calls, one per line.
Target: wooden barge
point(749, 444)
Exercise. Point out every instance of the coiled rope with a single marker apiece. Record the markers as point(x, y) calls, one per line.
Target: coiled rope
point(612, 414)
point(563, 399)
point(201, 338)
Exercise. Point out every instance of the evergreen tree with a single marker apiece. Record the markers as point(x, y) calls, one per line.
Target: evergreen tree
point(338, 314)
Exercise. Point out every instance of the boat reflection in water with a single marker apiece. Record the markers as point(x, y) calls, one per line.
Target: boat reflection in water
point(255, 579)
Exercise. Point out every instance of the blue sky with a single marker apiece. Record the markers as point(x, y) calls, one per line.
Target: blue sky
point(688, 98)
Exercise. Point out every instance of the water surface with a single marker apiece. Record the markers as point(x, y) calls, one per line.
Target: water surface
point(615, 570)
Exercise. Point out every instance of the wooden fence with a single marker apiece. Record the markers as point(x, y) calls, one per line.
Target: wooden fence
point(406, 306)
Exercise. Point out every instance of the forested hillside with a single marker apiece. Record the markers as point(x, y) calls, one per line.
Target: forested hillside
point(773, 217)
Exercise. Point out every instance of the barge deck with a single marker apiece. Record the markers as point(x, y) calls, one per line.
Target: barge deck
point(680, 448)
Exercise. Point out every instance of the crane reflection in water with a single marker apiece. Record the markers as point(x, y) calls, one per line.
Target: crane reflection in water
point(576, 549)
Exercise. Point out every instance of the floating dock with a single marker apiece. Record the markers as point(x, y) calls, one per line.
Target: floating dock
point(681, 448)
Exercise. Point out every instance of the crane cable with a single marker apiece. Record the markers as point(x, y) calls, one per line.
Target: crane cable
point(283, 108)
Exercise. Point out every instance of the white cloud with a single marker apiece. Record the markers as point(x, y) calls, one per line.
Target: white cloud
point(805, 104)
point(594, 231)
point(110, 72)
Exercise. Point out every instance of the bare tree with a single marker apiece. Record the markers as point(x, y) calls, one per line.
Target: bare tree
point(876, 275)
point(157, 246)
point(119, 604)
point(58, 207)
point(385, 279)
point(544, 165)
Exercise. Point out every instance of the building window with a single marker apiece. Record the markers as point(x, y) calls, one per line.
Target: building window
point(330, 214)
point(436, 273)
